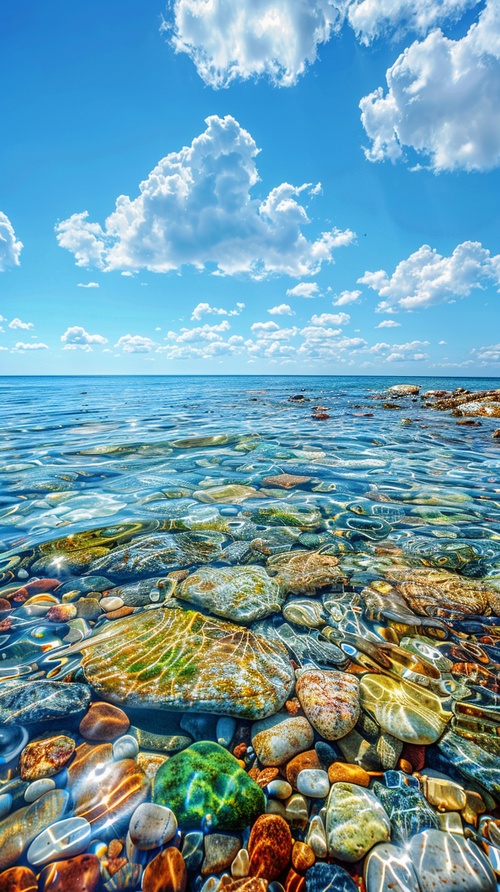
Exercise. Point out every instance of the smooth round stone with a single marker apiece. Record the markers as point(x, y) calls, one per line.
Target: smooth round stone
point(110, 796)
point(67, 838)
point(125, 747)
point(313, 782)
point(43, 758)
point(449, 863)
point(38, 788)
point(165, 873)
point(308, 759)
point(410, 713)
point(355, 821)
point(112, 603)
point(279, 789)
point(152, 825)
point(303, 857)
point(330, 700)
point(316, 837)
point(323, 877)
point(12, 740)
point(18, 879)
point(82, 873)
point(296, 811)
point(388, 869)
point(339, 772)
point(277, 743)
point(5, 804)
point(224, 731)
point(104, 722)
point(269, 847)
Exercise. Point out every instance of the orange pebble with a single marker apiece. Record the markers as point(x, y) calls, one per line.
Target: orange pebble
point(303, 857)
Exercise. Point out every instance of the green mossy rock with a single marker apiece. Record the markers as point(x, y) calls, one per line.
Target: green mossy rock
point(205, 780)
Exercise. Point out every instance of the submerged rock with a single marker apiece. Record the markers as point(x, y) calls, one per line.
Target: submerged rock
point(178, 659)
point(242, 594)
point(39, 701)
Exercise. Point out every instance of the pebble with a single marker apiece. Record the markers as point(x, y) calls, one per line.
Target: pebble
point(115, 792)
point(220, 852)
point(104, 722)
point(81, 873)
point(152, 825)
point(303, 857)
point(302, 762)
point(355, 821)
point(330, 700)
point(125, 747)
point(449, 863)
point(388, 869)
point(18, 829)
point(406, 711)
point(163, 743)
point(316, 837)
point(269, 847)
point(351, 774)
point(276, 742)
point(38, 788)
point(296, 811)
point(240, 865)
point(5, 804)
point(323, 877)
point(43, 758)
point(18, 879)
point(193, 850)
point(313, 782)
point(279, 789)
point(111, 603)
point(64, 838)
point(165, 873)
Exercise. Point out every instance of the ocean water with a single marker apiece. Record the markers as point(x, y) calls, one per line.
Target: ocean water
point(377, 529)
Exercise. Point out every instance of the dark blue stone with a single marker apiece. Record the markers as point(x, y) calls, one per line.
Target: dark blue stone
point(408, 810)
point(322, 877)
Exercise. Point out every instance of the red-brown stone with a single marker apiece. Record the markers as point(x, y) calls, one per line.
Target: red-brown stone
point(105, 722)
point(415, 754)
point(81, 873)
point(165, 873)
point(269, 847)
point(309, 759)
point(18, 879)
point(294, 881)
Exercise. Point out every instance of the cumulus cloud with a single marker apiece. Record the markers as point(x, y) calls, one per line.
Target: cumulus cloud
point(330, 319)
point(195, 208)
point(488, 354)
point(18, 323)
point(427, 278)
point(378, 18)
point(76, 338)
point(409, 352)
point(304, 289)
point(204, 308)
point(273, 330)
point(88, 285)
point(10, 247)
point(281, 310)
point(20, 347)
point(388, 323)
point(442, 100)
point(135, 344)
point(201, 333)
point(228, 40)
point(346, 297)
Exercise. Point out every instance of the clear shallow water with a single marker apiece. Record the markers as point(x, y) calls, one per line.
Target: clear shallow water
point(120, 487)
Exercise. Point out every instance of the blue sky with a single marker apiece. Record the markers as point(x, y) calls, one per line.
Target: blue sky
point(250, 186)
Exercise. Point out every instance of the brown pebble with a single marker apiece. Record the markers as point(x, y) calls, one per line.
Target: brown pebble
point(343, 772)
point(81, 873)
point(415, 754)
point(105, 722)
point(18, 879)
point(265, 776)
point(120, 612)
point(303, 857)
point(89, 761)
point(254, 772)
point(43, 758)
point(475, 807)
point(115, 848)
point(295, 882)
point(293, 706)
point(496, 434)
point(113, 865)
point(5, 605)
point(61, 613)
point(166, 872)
point(240, 750)
point(405, 766)
point(309, 759)
point(269, 847)
point(179, 575)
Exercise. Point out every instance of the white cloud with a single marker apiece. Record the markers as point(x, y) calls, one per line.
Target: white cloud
point(442, 100)
point(376, 18)
point(135, 344)
point(228, 40)
point(273, 330)
point(88, 285)
point(203, 308)
point(388, 323)
point(281, 310)
point(201, 333)
point(10, 247)
point(76, 338)
point(427, 278)
point(406, 357)
point(17, 323)
point(20, 347)
point(195, 208)
point(331, 319)
point(346, 297)
point(488, 354)
point(304, 289)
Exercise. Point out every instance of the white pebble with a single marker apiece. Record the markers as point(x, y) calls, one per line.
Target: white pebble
point(112, 603)
point(62, 839)
point(313, 782)
point(38, 788)
point(151, 826)
point(316, 837)
point(125, 747)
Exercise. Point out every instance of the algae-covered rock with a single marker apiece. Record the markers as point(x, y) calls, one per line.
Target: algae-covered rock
point(205, 780)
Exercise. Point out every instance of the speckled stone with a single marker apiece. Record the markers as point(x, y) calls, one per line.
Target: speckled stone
point(220, 852)
point(207, 780)
point(323, 877)
point(313, 782)
point(388, 869)
point(18, 879)
point(82, 873)
point(36, 701)
point(449, 863)
point(165, 873)
point(241, 593)
point(104, 722)
point(278, 741)
point(152, 825)
point(43, 758)
point(306, 760)
point(269, 847)
point(352, 774)
point(355, 821)
point(330, 700)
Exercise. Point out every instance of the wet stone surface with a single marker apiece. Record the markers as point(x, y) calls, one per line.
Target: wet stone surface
point(240, 650)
